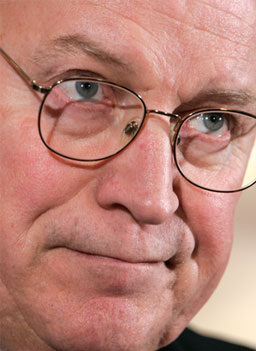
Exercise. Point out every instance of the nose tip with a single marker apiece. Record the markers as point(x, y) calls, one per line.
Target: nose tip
point(153, 212)
point(147, 202)
point(140, 178)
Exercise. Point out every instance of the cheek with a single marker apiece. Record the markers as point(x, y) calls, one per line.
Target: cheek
point(210, 218)
point(214, 225)
point(30, 179)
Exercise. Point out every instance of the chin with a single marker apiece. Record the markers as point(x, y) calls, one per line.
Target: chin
point(105, 324)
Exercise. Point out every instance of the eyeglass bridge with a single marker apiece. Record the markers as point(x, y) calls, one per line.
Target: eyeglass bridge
point(163, 113)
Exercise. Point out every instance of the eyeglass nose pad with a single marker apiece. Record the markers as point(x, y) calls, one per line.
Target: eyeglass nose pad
point(173, 119)
point(173, 130)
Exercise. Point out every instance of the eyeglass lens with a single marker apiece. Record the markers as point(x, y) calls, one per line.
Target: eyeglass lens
point(214, 148)
point(91, 120)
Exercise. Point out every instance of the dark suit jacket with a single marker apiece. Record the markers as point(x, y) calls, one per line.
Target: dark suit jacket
point(191, 341)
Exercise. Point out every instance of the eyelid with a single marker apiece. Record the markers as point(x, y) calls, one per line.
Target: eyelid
point(185, 109)
point(74, 73)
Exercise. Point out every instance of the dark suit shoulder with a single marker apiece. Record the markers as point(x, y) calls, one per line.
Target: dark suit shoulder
point(192, 341)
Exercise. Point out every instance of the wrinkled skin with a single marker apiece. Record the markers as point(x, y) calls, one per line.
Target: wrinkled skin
point(170, 241)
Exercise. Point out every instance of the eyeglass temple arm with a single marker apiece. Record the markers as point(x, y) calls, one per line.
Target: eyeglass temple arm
point(19, 70)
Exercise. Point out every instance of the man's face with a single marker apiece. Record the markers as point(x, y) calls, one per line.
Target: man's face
point(120, 254)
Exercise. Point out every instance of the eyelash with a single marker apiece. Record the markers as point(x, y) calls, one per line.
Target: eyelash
point(88, 73)
point(74, 73)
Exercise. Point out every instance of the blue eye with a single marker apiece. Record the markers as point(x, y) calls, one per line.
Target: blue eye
point(213, 121)
point(86, 90)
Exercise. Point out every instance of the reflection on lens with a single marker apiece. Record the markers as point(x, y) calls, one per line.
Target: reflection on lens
point(87, 120)
point(218, 155)
point(131, 128)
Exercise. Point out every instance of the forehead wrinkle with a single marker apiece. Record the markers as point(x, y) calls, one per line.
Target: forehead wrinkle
point(225, 11)
point(207, 22)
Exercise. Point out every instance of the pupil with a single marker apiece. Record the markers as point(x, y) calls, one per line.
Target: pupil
point(87, 89)
point(213, 122)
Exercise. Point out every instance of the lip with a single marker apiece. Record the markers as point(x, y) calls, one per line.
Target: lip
point(113, 260)
point(126, 256)
point(102, 274)
point(141, 247)
point(107, 266)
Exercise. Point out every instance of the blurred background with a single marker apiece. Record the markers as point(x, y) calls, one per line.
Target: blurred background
point(231, 311)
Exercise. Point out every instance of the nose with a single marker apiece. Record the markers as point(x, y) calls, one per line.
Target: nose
point(140, 179)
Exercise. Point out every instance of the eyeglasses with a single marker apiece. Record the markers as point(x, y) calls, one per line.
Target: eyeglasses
point(88, 119)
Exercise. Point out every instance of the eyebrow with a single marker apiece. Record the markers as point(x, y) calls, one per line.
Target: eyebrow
point(79, 44)
point(230, 97)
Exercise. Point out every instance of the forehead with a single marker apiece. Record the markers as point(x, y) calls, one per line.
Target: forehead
point(218, 17)
point(172, 39)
